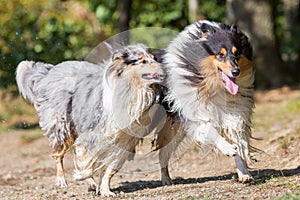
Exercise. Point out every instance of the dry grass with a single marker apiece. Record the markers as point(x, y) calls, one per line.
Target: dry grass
point(15, 112)
point(277, 174)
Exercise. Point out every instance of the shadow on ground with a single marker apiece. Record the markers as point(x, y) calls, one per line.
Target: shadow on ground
point(260, 176)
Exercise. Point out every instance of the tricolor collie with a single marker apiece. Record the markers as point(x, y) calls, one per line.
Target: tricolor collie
point(98, 108)
point(210, 82)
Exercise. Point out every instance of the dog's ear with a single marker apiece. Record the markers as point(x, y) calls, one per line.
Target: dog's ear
point(207, 30)
point(117, 58)
point(233, 28)
point(117, 55)
point(158, 55)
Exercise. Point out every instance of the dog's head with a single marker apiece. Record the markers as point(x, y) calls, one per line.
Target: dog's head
point(212, 51)
point(133, 78)
point(230, 53)
point(226, 47)
point(135, 62)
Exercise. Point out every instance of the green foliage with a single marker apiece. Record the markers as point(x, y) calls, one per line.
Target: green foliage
point(213, 10)
point(288, 39)
point(153, 37)
point(55, 30)
point(106, 14)
point(174, 14)
point(15, 112)
point(160, 13)
point(49, 31)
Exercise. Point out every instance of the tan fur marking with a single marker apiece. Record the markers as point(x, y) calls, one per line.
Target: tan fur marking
point(224, 66)
point(209, 85)
point(117, 56)
point(233, 50)
point(143, 57)
point(223, 51)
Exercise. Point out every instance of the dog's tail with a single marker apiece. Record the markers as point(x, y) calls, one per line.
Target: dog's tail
point(28, 74)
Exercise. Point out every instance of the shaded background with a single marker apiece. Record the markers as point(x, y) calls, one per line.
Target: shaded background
point(53, 30)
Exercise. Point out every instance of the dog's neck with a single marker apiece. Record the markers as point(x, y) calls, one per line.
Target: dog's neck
point(128, 100)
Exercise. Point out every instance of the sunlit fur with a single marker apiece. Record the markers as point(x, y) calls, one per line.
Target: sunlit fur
point(209, 113)
point(100, 107)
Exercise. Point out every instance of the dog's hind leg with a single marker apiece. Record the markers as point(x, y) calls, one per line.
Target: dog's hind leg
point(60, 174)
point(62, 131)
point(165, 176)
point(164, 156)
point(242, 171)
point(92, 184)
point(59, 156)
point(167, 144)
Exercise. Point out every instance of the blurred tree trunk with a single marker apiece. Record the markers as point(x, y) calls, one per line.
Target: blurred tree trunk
point(256, 19)
point(193, 10)
point(124, 7)
point(291, 9)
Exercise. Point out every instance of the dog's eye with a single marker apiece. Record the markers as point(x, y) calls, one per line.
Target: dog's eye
point(126, 54)
point(144, 61)
point(221, 55)
point(134, 61)
point(130, 61)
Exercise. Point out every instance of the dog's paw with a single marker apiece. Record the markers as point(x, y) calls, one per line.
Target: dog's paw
point(166, 180)
point(245, 178)
point(226, 148)
point(92, 185)
point(104, 191)
point(61, 181)
point(229, 149)
point(107, 193)
point(92, 188)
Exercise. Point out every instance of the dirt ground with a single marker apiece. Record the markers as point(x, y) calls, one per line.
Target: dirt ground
point(28, 172)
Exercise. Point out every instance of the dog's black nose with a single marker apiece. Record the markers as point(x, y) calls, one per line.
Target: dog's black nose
point(235, 71)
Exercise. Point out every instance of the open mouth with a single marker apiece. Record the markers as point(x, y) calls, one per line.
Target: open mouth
point(229, 83)
point(153, 76)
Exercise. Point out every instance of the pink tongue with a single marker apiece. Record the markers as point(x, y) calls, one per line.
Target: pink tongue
point(155, 75)
point(229, 84)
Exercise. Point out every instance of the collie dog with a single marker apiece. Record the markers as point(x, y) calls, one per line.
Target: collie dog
point(103, 110)
point(210, 82)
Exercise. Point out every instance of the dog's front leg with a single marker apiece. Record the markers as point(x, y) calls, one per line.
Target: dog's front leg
point(242, 171)
point(206, 133)
point(226, 148)
point(104, 187)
